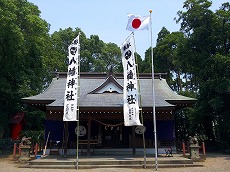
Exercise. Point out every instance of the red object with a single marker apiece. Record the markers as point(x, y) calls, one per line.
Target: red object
point(204, 151)
point(15, 149)
point(36, 150)
point(183, 147)
point(16, 124)
point(136, 23)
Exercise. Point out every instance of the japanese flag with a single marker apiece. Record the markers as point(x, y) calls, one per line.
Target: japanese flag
point(136, 22)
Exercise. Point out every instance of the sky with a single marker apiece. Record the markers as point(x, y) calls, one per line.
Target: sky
point(108, 18)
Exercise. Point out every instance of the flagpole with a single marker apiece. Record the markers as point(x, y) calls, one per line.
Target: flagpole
point(154, 113)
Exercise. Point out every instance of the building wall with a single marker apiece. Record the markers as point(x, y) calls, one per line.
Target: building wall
point(112, 131)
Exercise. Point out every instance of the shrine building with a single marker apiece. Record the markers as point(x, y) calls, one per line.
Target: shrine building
point(101, 121)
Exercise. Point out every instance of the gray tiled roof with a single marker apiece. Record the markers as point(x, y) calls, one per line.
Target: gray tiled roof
point(55, 94)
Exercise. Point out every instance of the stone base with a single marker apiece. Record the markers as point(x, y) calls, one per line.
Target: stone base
point(25, 154)
point(24, 159)
point(194, 152)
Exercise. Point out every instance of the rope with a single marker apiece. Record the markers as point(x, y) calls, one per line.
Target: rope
point(108, 125)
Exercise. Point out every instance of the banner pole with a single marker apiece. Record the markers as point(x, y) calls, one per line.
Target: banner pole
point(77, 160)
point(78, 105)
point(154, 113)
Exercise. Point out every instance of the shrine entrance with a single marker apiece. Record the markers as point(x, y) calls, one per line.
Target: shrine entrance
point(109, 135)
point(109, 138)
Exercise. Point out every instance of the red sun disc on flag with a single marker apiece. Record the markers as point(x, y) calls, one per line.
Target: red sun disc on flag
point(136, 23)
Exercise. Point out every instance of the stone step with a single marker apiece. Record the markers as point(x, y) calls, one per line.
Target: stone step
point(139, 166)
point(107, 162)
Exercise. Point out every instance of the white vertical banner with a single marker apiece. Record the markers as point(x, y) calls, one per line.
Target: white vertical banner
point(130, 88)
point(71, 91)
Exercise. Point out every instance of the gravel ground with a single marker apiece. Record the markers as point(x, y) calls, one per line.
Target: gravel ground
point(215, 162)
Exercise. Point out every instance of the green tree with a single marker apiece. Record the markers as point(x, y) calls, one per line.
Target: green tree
point(162, 34)
point(90, 54)
point(139, 62)
point(95, 55)
point(111, 58)
point(57, 49)
point(207, 48)
point(23, 36)
point(166, 58)
point(146, 64)
point(31, 117)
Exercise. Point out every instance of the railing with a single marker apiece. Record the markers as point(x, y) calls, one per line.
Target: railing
point(34, 150)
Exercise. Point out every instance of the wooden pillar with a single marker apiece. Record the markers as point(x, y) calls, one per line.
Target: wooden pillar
point(120, 135)
point(183, 148)
point(20, 150)
point(203, 147)
point(89, 136)
point(15, 150)
point(36, 150)
point(100, 135)
point(133, 140)
point(66, 127)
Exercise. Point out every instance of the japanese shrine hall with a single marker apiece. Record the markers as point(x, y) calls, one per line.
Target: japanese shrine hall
point(101, 112)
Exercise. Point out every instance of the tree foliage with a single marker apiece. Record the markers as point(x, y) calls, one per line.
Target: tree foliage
point(206, 51)
point(95, 55)
point(23, 36)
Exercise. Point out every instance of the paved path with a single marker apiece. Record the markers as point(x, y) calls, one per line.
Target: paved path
point(214, 163)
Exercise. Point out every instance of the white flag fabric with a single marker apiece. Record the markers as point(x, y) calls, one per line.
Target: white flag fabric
point(71, 92)
point(130, 89)
point(136, 22)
